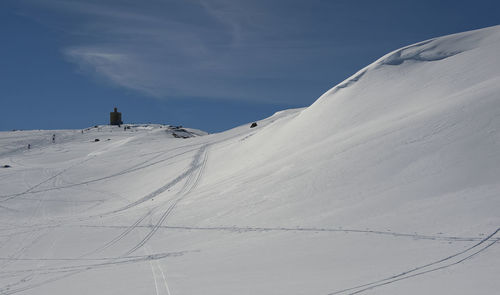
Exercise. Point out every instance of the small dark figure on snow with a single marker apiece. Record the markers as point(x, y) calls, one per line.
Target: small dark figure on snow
point(53, 138)
point(29, 146)
point(254, 124)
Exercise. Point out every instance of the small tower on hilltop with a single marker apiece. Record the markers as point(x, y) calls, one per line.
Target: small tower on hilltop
point(115, 118)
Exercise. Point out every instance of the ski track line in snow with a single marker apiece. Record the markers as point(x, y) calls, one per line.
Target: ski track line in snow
point(120, 236)
point(151, 232)
point(428, 271)
point(81, 258)
point(158, 274)
point(90, 258)
point(30, 190)
point(139, 166)
point(126, 171)
point(73, 270)
point(162, 189)
point(22, 249)
point(154, 278)
point(27, 242)
point(303, 229)
point(103, 262)
point(8, 291)
point(30, 276)
point(76, 269)
point(164, 277)
point(30, 237)
point(186, 189)
point(15, 257)
point(411, 273)
point(100, 249)
point(134, 168)
point(106, 263)
point(193, 168)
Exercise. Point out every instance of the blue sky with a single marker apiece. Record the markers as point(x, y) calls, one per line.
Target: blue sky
point(207, 64)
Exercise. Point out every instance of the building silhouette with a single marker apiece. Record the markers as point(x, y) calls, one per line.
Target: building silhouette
point(115, 118)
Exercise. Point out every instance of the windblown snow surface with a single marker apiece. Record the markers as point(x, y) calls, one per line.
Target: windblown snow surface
point(388, 184)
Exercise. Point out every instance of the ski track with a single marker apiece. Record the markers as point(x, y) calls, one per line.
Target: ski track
point(142, 165)
point(158, 275)
point(30, 190)
point(154, 278)
point(186, 189)
point(106, 262)
point(191, 183)
point(30, 276)
point(68, 271)
point(32, 237)
point(414, 271)
point(192, 176)
point(15, 257)
point(303, 229)
point(142, 200)
point(120, 236)
point(134, 168)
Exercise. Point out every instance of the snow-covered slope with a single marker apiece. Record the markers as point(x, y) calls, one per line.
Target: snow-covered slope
point(387, 184)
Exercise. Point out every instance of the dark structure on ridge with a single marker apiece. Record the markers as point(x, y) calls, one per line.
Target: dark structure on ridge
point(115, 118)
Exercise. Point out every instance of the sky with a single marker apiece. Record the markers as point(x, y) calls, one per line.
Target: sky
point(205, 64)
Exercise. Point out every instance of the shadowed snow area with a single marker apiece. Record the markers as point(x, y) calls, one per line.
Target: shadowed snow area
point(387, 184)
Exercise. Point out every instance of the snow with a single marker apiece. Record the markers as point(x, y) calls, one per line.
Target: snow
point(387, 184)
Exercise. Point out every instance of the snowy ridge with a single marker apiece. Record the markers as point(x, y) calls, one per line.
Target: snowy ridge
point(430, 50)
point(387, 184)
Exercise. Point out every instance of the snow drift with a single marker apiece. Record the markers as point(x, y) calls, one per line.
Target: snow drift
point(387, 184)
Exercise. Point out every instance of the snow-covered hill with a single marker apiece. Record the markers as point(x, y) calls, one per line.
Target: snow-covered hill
point(387, 184)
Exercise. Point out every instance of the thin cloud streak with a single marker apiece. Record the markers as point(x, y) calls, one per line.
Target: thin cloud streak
point(215, 49)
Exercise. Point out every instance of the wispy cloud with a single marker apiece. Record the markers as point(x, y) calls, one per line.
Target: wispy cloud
point(198, 48)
